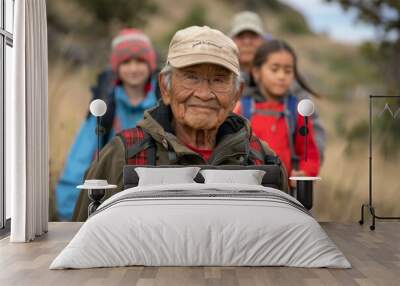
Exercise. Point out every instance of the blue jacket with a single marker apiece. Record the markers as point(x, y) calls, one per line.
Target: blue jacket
point(83, 149)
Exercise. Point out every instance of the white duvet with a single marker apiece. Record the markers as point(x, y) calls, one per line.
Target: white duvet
point(201, 224)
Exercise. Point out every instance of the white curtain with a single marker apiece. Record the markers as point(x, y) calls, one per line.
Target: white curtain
point(27, 124)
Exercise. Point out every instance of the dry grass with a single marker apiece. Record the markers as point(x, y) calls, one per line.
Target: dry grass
point(68, 103)
point(344, 185)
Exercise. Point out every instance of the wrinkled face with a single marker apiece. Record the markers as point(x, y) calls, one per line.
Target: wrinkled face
point(276, 75)
point(248, 42)
point(133, 72)
point(201, 96)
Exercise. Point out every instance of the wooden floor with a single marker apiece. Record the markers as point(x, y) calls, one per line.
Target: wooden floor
point(375, 257)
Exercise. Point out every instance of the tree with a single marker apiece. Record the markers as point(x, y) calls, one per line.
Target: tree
point(126, 12)
point(76, 26)
point(384, 15)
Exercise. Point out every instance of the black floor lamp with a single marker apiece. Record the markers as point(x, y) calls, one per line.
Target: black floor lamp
point(370, 206)
point(98, 108)
point(96, 187)
point(304, 184)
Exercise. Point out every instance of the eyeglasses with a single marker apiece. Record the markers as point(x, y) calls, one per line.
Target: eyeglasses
point(217, 83)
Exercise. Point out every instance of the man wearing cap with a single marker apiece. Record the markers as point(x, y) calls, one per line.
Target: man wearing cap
point(193, 123)
point(247, 31)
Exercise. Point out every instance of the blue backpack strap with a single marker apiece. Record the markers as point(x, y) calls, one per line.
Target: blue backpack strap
point(291, 120)
point(291, 112)
point(246, 106)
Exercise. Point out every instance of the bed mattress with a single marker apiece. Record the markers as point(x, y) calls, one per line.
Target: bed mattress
point(201, 225)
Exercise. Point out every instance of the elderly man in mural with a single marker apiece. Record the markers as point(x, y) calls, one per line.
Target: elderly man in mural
point(193, 124)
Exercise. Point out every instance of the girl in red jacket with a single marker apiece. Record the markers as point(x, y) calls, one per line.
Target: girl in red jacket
point(274, 116)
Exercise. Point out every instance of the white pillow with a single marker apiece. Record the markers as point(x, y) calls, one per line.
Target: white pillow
point(248, 177)
point(163, 176)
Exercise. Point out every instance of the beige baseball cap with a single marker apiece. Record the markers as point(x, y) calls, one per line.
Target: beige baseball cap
point(246, 21)
point(197, 45)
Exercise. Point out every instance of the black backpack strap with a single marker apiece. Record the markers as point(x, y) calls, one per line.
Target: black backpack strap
point(104, 90)
point(268, 159)
point(108, 119)
point(151, 150)
point(260, 154)
point(252, 154)
point(157, 87)
point(103, 87)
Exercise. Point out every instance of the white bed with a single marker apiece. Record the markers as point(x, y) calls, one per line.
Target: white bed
point(201, 224)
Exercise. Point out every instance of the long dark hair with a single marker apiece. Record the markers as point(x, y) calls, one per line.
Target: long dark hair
point(274, 46)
